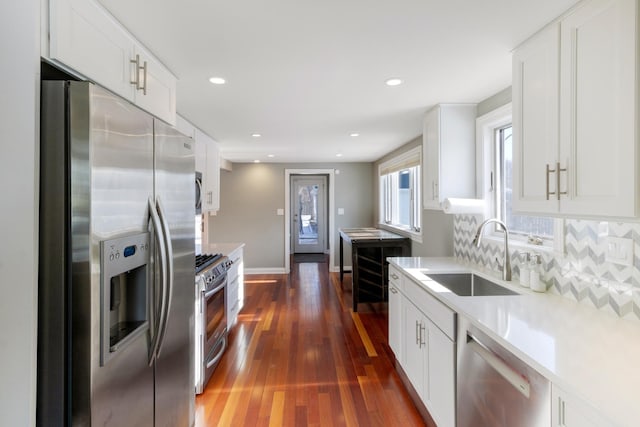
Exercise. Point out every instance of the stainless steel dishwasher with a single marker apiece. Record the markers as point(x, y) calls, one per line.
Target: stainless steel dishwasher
point(494, 388)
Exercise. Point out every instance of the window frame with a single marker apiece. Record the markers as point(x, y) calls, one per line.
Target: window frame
point(385, 192)
point(486, 180)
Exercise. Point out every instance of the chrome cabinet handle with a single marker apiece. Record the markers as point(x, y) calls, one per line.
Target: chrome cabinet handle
point(559, 169)
point(417, 329)
point(136, 74)
point(210, 197)
point(394, 276)
point(513, 377)
point(393, 290)
point(136, 79)
point(548, 172)
point(423, 341)
point(144, 85)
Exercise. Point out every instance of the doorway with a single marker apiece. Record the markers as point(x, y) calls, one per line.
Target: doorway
point(309, 213)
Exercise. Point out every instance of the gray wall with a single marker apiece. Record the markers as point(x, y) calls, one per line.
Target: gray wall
point(251, 194)
point(498, 100)
point(19, 106)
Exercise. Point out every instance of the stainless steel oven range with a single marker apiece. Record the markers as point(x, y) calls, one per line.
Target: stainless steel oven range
point(211, 317)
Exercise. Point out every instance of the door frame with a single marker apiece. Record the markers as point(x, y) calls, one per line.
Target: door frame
point(287, 211)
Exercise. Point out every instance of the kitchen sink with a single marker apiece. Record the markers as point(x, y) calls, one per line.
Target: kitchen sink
point(470, 285)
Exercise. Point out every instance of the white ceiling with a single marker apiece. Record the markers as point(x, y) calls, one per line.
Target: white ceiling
point(306, 74)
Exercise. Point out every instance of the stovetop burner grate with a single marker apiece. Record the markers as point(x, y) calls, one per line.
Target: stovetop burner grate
point(205, 260)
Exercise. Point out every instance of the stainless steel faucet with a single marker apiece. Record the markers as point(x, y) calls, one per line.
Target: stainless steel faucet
point(506, 263)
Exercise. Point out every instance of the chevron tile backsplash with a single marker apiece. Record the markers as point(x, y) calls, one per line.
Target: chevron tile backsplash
point(582, 273)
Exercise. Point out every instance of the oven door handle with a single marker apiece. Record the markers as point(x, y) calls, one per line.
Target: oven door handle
point(158, 233)
point(507, 372)
point(207, 294)
point(169, 266)
point(217, 357)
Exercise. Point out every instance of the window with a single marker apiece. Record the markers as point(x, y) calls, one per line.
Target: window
point(495, 151)
point(400, 192)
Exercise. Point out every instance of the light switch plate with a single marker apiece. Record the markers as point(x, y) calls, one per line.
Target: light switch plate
point(280, 212)
point(340, 211)
point(619, 251)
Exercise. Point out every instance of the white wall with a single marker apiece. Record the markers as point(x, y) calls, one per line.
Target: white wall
point(19, 68)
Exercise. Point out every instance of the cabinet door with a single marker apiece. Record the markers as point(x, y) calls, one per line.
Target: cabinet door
point(212, 179)
point(414, 347)
point(88, 40)
point(208, 163)
point(569, 411)
point(535, 121)
point(440, 391)
point(156, 91)
point(395, 320)
point(598, 108)
point(431, 159)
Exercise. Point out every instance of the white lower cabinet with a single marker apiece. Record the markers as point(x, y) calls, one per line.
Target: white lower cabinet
point(395, 312)
point(415, 352)
point(441, 389)
point(235, 287)
point(569, 411)
point(425, 353)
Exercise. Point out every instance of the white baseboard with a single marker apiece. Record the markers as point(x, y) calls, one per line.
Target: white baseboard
point(275, 270)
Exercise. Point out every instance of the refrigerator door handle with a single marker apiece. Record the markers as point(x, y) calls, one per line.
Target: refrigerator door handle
point(169, 266)
point(159, 236)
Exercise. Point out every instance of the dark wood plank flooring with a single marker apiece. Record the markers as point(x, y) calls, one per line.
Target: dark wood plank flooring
point(300, 357)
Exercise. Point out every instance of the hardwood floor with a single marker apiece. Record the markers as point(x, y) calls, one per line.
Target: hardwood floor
point(300, 357)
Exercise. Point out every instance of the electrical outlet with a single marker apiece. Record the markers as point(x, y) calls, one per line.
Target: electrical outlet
point(619, 251)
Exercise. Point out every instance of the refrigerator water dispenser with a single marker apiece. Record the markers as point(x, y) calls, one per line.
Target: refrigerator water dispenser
point(124, 291)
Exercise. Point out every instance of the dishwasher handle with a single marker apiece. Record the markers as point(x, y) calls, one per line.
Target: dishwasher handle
point(507, 372)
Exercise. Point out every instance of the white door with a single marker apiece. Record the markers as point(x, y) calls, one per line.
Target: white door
point(309, 213)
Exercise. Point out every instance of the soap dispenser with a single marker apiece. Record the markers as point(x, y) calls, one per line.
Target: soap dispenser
point(525, 271)
point(535, 281)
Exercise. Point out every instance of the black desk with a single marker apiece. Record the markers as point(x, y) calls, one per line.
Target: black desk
point(370, 248)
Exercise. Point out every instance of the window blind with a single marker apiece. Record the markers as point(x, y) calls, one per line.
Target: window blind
point(406, 160)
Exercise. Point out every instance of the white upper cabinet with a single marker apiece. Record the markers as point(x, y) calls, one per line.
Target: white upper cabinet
point(535, 118)
point(85, 39)
point(574, 97)
point(208, 163)
point(156, 88)
point(448, 164)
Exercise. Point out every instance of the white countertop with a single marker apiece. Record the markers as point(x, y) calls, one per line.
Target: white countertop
point(221, 248)
point(591, 354)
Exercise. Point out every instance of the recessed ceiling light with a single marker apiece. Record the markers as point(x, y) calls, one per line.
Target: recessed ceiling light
point(355, 134)
point(217, 80)
point(393, 81)
point(338, 155)
point(256, 135)
point(271, 156)
point(256, 161)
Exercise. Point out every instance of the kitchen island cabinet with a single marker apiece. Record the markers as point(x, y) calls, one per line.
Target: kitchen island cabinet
point(370, 248)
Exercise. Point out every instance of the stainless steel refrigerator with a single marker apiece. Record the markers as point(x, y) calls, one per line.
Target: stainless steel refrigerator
point(116, 278)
